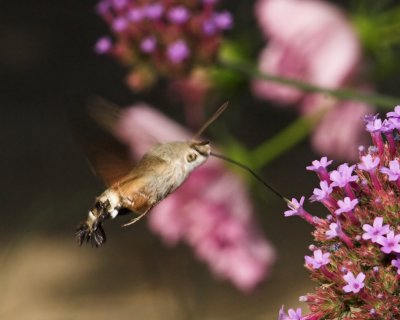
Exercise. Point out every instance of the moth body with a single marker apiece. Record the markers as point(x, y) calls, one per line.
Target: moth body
point(160, 171)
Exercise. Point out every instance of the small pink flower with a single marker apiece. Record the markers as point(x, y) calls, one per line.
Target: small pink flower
point(153, 11)
point(320, 168)
point(103, 45)
point(320, 259)
point(368, 163)
point(211, 211)
point(178, 51)
point(390, 242)
point(343, 175)
point(295, 208)
point(393, 171)
point(148, 44)
point(395, 113)
point(291, 315)
point(374, 124)
point(354, 284)
point(178, 14)
point(346, 205)
point(376, 230)
point(334, 230)
point(323, 193)
point(396, 263)
point(317, 165)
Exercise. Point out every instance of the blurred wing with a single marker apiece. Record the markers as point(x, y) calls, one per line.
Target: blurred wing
point(107, 114)
point(108, 157)
point(108, 162)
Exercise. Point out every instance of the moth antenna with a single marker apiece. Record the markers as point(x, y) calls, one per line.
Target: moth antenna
point(252, 172)
point(214, 117)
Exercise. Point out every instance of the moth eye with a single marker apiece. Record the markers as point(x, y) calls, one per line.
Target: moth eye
point(191, 157)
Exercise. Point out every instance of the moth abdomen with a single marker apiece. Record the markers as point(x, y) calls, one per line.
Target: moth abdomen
point(85, 233)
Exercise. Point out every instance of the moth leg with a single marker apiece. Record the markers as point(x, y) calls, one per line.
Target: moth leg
point(135, 219)
point(139, 203)
point(126, 202)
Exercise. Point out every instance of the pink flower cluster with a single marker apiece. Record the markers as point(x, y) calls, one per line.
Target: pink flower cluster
point(211, 211)
point(167, 38)
point(356, 261)
point(312, 41)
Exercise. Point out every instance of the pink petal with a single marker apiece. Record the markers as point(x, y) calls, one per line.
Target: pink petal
point(348, 288)
point(272, 61)
point(360, 277)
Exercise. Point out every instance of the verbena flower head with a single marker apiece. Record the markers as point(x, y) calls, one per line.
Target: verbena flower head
point(162, 38)
point(356, 261)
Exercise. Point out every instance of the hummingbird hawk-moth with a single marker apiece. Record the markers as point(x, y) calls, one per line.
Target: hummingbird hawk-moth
point(139, 188)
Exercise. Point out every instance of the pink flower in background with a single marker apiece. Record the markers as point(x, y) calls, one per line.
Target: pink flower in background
point(168, 39)
point(313, 41)
point(308, 40)
point(211, 211)
point(341, 130)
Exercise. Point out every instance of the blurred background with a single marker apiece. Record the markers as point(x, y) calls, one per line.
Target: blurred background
point(50, 69)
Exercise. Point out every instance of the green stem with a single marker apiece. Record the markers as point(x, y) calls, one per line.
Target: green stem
point(387, 102)
point(284, 140)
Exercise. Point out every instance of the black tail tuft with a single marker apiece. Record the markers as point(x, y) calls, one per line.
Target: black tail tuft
point(96, 236)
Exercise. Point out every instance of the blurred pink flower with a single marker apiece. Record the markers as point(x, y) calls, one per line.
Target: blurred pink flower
point(168, 39)
point(192, 91)
point(312, 41)
point(341, 129)
point(211, 211)
point(308, 40)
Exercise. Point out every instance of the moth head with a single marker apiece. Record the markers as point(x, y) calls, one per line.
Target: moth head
point(197, 153)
